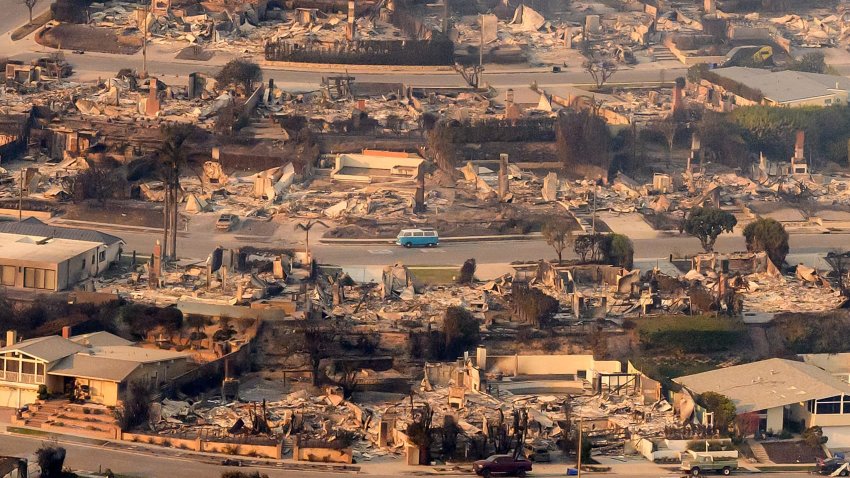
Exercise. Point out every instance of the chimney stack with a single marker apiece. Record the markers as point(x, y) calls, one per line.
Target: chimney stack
point(677, 97)
point(156, 266)
point(351, 27)
point(710, 7)
point(152, 104)
point(509, 97)
point(11, 337)
point(799, 152)
point(66, 332)
point(504, 186)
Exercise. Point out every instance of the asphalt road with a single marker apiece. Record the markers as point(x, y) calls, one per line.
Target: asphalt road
point(92, 458)
point(198, 245)
point(91, 66)
point(161, 63)
point(16, 14)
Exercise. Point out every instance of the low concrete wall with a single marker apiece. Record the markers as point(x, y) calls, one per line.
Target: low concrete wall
point(323, 455)
point(675, 449)
point(197, 444)
point(244, 449)
point(640, 445)
point(163, 440)
point(549, 364)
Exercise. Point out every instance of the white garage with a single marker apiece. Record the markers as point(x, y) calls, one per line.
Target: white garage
point(16, 397)
point(839, 437)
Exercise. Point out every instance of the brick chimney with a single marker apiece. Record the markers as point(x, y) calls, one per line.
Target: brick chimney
point(66, 332)
point(351, 26)
point(152, 103)
point(799, 145)
point(11, 337)
point(677, 97)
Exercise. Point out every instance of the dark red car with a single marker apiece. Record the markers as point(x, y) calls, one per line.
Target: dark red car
point(502, 465)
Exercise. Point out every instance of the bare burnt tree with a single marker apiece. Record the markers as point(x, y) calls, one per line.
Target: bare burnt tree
point(840, 263)
point(600, 70)
point(30, 4)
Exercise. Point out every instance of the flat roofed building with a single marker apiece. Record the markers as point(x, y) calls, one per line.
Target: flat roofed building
point(37, 256)
point(787, 88)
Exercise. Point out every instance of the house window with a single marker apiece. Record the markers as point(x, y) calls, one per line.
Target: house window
point(7, 275)
point(28, 367)
point(83, 264)
point(829, 406)
point(102, 256)
point(39, 278)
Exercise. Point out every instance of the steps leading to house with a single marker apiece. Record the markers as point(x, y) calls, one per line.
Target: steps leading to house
point(759, 452)
point(662, 53)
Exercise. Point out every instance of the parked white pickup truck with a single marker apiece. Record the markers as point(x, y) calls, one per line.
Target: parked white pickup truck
point(697, 463)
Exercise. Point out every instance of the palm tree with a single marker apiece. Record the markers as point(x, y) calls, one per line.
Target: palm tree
point(306, 226)
point(172, 156)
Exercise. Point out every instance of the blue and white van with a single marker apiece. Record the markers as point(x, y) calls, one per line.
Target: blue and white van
point(424, 237)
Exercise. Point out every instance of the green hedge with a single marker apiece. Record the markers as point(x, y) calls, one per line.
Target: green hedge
point(690, 334)
point(772, 130)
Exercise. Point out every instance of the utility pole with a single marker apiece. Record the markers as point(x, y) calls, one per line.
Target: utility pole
point(481, 49)
point(21, 198)
point(145, 44)
point(593, 219)
point(578, 452)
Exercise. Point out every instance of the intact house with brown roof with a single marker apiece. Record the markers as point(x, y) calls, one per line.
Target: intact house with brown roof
point(97, 367)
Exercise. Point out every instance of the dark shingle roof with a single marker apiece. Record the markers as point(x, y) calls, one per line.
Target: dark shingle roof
point(34, 227)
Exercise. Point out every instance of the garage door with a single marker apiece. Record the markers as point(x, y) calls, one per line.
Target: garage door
point(13, 398)
point(839, 437)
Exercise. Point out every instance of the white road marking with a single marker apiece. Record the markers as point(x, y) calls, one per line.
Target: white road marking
point(380, 251)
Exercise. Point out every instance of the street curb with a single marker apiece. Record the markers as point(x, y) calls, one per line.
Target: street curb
point(384, 241)
point(21, 30)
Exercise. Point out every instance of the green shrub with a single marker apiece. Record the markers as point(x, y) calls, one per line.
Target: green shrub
point(694, 334)
point(813, 436)
point(812, 332)
point(242, 474)
point(721, 406)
